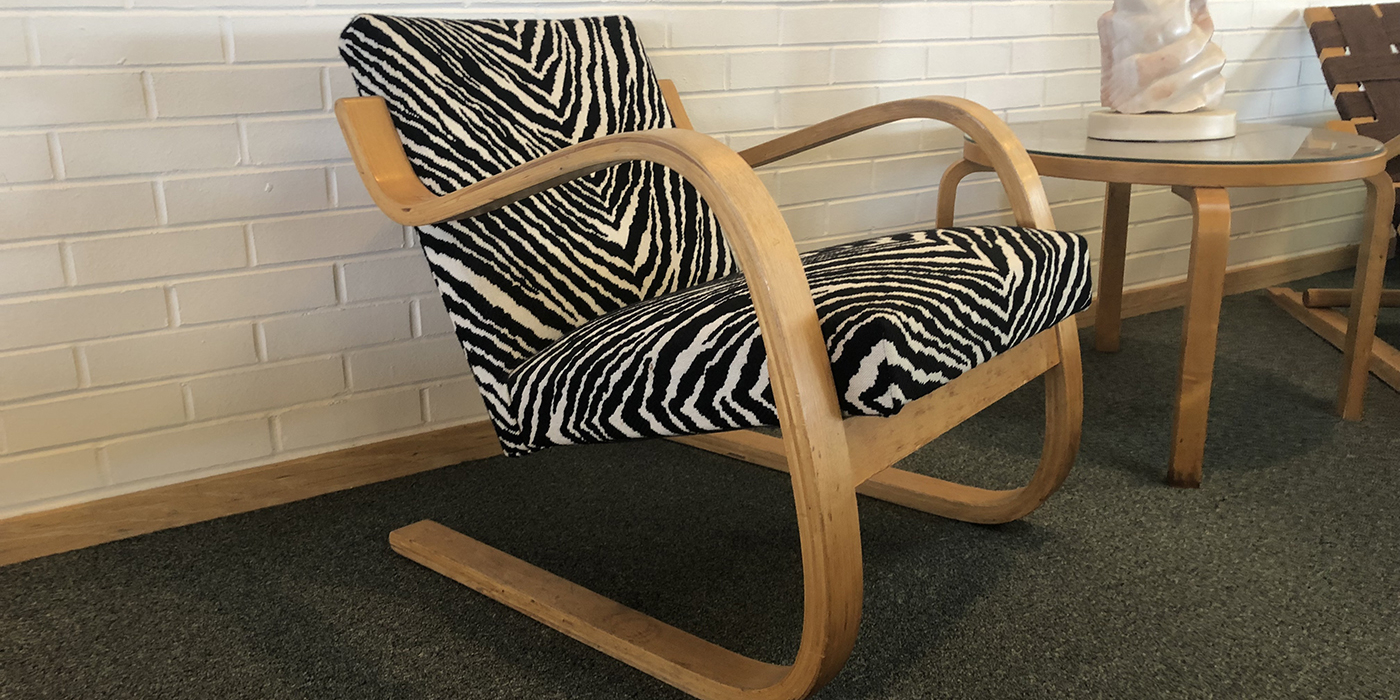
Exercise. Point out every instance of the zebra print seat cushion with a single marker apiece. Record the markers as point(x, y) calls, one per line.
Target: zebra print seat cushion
point(902, 315)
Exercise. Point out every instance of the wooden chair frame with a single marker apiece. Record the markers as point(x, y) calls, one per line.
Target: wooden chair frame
point(817, 444)
point(1354, 333)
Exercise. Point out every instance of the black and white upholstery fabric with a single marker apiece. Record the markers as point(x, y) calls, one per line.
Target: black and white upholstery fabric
point(611, 307)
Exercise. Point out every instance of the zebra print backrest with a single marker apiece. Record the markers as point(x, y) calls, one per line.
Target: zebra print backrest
point(473, 98)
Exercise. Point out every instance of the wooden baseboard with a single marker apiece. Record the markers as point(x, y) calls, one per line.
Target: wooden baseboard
point(72, 527)
point(1245, 278)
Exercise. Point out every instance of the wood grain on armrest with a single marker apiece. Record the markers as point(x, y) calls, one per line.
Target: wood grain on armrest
point(1009, 159)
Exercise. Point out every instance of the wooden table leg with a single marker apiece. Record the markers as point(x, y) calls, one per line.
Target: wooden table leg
point(1108, 313)
point(1205, 284)
point(1366, 296)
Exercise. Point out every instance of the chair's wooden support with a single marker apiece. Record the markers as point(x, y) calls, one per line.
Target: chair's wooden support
point(744, 445)
point(814, 446)
point(798, 367)
point(1004, 151)
point(948, 190)
point(1366, 296)
point(1325, 14)
point(1350, 44)
point(674, 656)
point(1329, 298)
point(1064, 412)
point(878, 443)
point(1331, 326)
point(830, 536)
point(673, 103)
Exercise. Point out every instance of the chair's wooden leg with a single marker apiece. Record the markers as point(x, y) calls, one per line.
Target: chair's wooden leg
point(1332, 326)
point(1366, 296)
point(743, 445)
point(1317, 298)
point(948, 189)
point(1108, 311)
point(1064, 406)
point(830, 536)
point(677, 657)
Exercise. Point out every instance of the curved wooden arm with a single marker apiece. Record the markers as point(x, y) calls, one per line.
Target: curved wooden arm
point(1013, 166)
point(393, 185)
point(799, 367)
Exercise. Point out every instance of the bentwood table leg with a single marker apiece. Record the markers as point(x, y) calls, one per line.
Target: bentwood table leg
point(1205, 284)
point(1366, 296)
point(948, 189)
point(1108, 314)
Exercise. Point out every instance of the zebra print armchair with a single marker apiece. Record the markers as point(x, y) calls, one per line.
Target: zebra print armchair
point(613, 274)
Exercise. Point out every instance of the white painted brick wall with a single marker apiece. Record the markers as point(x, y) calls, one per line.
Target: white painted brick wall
point(146, 255)
point(28, 374)
point(164, 354)
point(333, 330)
point(408, 363)
point(254, 293)
point(82, 417)
point(166, 452)
point(352, 419)
point(36, 98)
point(31, 268)
point(59, 209)
point(129, 150)
point(267, 387)
point(201, 92)
point(26, 158)
point(193, 280)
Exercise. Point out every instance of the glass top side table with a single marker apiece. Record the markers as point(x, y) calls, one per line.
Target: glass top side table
point(1260, 155)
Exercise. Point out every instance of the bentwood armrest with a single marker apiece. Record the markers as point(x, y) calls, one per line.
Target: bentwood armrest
point(1010, 160)
point(383, 165)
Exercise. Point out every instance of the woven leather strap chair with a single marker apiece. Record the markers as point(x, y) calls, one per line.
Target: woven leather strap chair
point(1362, 69)
point(613, 274)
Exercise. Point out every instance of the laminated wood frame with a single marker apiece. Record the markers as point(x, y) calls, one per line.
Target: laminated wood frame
point(829, 458)
point(1355, 44)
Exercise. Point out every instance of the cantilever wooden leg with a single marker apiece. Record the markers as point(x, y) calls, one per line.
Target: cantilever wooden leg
point(830, 534)
point(1205, 284)
point(670, 654)
point(1366, 296)
point(948, 189)
point(1108, 312)
point(1064, 410)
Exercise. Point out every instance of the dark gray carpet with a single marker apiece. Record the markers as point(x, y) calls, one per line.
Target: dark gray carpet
point(1279, 579)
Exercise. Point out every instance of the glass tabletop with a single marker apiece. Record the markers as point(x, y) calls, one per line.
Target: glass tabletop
point(1253, 144)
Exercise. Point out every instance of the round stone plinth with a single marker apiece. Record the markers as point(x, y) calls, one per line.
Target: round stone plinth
point(1201, 125)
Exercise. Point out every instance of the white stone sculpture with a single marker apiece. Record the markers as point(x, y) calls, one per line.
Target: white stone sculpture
point(1158, 57)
